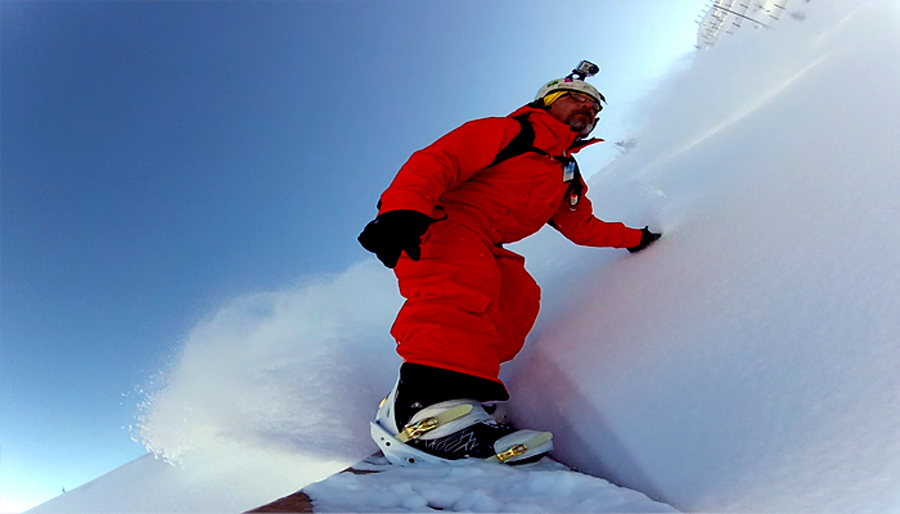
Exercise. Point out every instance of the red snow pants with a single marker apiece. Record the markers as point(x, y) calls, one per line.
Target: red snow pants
point(469, 304)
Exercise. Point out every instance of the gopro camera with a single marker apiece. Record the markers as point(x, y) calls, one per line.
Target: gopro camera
point(585, 69)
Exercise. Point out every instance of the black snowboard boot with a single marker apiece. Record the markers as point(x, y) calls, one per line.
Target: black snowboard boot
point(435, 415)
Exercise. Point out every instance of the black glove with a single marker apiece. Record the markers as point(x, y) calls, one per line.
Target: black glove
point(393, 232)
point(647, 239)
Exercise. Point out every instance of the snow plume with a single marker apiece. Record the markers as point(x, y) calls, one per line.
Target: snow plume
point(748, 361)
point(297, 371)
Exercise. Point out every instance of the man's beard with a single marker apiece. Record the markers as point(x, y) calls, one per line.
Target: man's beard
point(581, 122)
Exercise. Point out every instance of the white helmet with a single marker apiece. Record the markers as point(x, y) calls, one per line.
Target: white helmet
point(570, 84)
point(575, 82)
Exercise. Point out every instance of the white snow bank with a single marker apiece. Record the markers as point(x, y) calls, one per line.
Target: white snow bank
point(477, 487)
point(748, 361)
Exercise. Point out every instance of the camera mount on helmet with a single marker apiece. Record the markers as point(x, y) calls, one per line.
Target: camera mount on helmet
point(584, 70)
point(574, 82)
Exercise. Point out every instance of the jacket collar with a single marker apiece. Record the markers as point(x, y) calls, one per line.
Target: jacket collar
point(552, 135)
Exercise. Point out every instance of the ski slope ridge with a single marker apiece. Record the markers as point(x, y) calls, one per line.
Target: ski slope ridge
point(744, 363)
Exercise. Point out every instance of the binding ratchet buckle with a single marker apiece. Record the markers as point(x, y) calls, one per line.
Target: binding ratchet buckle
point(536, 444)
point(513, 452)
point(420, 428)
point(417, 430)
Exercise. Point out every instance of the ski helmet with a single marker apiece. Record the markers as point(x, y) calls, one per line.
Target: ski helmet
point(574, 82)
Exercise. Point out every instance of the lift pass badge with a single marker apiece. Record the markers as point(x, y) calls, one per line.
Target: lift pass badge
point(569, 171)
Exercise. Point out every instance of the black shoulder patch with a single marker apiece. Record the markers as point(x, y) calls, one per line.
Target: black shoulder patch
point(522, 143)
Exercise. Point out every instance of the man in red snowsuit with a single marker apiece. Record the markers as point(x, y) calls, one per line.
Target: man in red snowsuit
point(441, 226)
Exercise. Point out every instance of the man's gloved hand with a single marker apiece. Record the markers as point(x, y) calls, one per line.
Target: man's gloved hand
point(393, 232)
point(647, 238)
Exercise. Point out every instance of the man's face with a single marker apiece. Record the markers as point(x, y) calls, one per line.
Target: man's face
point(577, 111)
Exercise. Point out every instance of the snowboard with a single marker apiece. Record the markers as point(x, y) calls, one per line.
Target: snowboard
point(375, 485)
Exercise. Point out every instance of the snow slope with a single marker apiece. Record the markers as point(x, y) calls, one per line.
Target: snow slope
point(475, 487)
point(745, 363)
point(748, 362)
point(229, 480)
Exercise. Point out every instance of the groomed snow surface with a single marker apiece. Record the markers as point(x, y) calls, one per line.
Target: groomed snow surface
point(747, 362)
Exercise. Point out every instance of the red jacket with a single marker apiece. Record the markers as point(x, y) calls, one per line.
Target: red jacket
point(506, 202)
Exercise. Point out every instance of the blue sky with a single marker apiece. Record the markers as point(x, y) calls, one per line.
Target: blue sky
point(159, 158)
